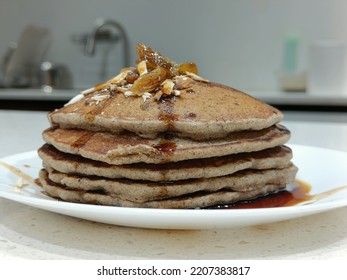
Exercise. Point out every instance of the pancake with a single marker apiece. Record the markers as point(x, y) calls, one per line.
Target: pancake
point(189, 116)
point(182, 194)
point(160, 136)
point(277, 157)
point(133, 190)
point(129, 148)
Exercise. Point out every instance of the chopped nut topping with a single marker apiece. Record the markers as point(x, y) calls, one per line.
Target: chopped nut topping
point(158, 95)
point(154, 74)
point(122, 89)
point(119, 78)
point(168, 86)
point(113, 87)
point(146, 95)
point(75, 99)
point(99, 98)
point(183, 82)
point(88, 91)
point(176, 92)
point(128, 93)
point(196, 77)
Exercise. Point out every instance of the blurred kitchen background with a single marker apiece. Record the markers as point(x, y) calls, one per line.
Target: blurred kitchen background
point(49, 50)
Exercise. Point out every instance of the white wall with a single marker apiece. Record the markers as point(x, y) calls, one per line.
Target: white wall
point(235, 42)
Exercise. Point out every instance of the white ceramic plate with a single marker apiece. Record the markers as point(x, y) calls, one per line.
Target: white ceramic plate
point(322, 168)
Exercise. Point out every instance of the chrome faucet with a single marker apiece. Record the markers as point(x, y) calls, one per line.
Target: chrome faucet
point(92, 38)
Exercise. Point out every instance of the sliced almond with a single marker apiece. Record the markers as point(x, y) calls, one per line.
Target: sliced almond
point(88, 91)
point(99, 98)
point(158, 95)
point(142, 67)
point(196, 77)
point(120, 77)
point(183, 82)
point(176, 92)
point(75, 99)
point(128, 93)
point(122, 89)
point(146, 95)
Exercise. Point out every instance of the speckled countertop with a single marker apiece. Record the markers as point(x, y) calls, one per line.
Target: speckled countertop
point(30, 233)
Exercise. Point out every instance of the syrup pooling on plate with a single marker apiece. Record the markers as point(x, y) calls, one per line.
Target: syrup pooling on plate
point(297, 193)
point(294, 194)
point(24, 180)
point(19, 173)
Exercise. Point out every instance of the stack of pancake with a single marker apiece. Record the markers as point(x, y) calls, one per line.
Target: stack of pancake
point(197, 145)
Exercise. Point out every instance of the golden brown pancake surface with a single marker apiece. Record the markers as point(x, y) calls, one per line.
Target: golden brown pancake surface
point(205, 111)
point(277, 157)
point(128, 148)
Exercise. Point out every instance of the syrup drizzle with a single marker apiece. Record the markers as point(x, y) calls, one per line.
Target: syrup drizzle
point(82, 140)
point(167, 146)
point(99, 108)
point(19, 173)
point(167, 114)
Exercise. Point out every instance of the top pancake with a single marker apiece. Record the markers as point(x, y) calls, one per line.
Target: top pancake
point(204, 110)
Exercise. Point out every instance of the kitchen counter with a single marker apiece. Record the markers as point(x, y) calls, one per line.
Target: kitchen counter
point(283, 100)
point(276, 97)
point(30, 233)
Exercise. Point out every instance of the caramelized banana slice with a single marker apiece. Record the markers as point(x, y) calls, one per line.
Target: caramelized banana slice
point(190, 67)
point(154, 58)
point(150, 81)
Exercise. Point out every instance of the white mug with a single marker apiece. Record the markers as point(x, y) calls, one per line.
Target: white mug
point(327, 71)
